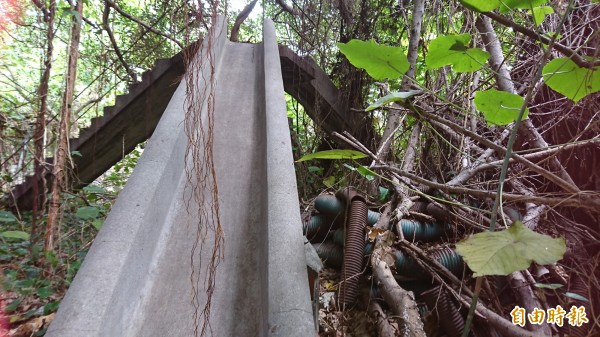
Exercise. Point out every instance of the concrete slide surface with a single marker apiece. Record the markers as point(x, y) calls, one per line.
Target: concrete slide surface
point(136, 278)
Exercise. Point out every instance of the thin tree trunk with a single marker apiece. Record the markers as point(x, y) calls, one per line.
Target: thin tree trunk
point(39, 187)
point(413, 50)
point(504, 80)
point(62, 150)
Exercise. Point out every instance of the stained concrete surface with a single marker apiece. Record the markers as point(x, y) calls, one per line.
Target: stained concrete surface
point(137, 277)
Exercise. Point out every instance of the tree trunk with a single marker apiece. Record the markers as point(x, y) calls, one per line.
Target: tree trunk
point(39, 187)
point(62, 150)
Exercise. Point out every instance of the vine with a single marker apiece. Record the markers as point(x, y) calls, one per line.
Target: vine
point(203, 201)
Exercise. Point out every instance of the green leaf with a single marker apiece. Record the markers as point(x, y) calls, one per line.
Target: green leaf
point(576, 296)
point(97, 224)
point(499, 107)
point(51, 307)
point(76, 15)
point(333, 154)
point(539, 14)
point(452, 50)
point(384, 193)
point(14, 305)
point(380, 61)
point(76, 154)
point(548, 286)
point(481, 5)
point(7, 217)
point(507, 5)
point(315, 169)
point(45, 292)
point(15, 235)
point(567, 78)
point(329, 181)
point(510, 250)
point(393, 97)
point(87, 212)
point(94, 189)
point(366, 172)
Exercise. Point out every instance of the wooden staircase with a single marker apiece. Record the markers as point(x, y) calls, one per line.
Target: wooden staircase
point(135, 115)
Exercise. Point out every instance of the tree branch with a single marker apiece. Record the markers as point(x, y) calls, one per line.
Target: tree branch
point(582, 199)
point(142, 23)
point(240, 19)
point(106, 27)
point(579, 60)
point(287, 8)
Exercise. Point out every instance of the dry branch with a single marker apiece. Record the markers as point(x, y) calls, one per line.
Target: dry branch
point(578, 59)
point(400, 301)
point(240, 19)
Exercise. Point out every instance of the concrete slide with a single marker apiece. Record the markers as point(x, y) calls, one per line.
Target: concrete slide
point(136, 278)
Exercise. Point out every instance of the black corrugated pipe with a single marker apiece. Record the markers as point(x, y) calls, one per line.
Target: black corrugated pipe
point(354, 245)
point(331, 253)
point(447, 257)
point(579, 286)
point(334, 207)
point(448, 315)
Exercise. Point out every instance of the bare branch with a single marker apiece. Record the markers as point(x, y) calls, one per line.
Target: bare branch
point(578, 59)
point(240, 19)
point(106, 27)
point(142, 23)
point(287, 8)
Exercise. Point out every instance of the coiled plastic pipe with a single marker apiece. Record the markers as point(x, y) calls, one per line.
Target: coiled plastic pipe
point(449, 317)
point(335, 208)
point(414, 230)
point(447, 257)
point(330, 253)
point(354, 245)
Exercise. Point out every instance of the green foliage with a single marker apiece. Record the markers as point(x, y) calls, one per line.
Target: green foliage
point(333, 154)
point(510, 250)
point(384, 194)
point(576, 296)
point(453, 50)
point(570, 80)
point(548, 286)
point(481, 5)
point(540, 13)
point(507, 5)
point(7, 217)
point(365, 172)
point(393, 97)
point(380, 61)
point(19, 235)
point(499, 107)
point(87, 212)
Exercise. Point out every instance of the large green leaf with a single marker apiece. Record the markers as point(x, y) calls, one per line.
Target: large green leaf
point(94, 189)
point(507, 5)
point(15, 235)
point(379, 60)
point(510, 250)
point(334, 154)
point(87, 212)
point(567, 78)
point(7, 217)
point(481, 5)
point(393, 97)
point(539, 14)
point(499, 107)
point(453, 50)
